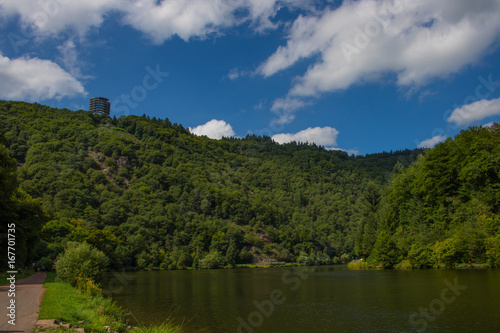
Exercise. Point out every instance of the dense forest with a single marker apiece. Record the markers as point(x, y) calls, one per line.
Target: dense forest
point(150, 195)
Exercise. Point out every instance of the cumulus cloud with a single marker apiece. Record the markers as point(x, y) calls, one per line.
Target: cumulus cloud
point(214, 129)
point(323, 136)
point(479, 110)
point(160, 20)
point(364, 40)
point(429, 143)
point(53, 17)
point(199, 18)
point(284, 109)
point(179, 17)
point(36, 79)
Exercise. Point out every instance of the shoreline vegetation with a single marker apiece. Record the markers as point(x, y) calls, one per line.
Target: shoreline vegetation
point(361, 264)
point(149, 194)
point(84, 306)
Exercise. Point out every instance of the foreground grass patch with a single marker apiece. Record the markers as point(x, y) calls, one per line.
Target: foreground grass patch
point(62, 301)
point(166, 327)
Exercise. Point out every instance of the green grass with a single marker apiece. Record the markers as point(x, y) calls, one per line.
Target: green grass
point(63, 302)
point(166, 327)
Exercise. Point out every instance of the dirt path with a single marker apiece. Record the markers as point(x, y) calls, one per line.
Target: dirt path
point(29, 293)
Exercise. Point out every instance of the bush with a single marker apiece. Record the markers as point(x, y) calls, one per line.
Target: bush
point(447, 252)
point(405, 264)
point(358, 264)
point(87, 287)
point(212, 260)
point(344, 258)
point(81, 259)
point(493, 251)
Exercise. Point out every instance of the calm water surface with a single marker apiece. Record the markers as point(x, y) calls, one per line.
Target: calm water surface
point(327, 299)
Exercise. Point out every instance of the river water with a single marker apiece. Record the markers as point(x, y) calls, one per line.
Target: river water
point(322, 299)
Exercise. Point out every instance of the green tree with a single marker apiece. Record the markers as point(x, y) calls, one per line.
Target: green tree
point(385, 252)
point(81, 259)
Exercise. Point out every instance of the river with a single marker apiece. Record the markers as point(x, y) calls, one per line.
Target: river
point(322, 299)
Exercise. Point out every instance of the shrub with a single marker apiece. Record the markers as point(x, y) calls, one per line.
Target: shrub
point(81, 259)
point(405, 264)
point(344, 258)
point(87, 287)
point(212, 260)
point(446, 252)
point(493, 251)
point(358, 264)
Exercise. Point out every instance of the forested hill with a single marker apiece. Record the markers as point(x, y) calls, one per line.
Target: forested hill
point(443, 210)
point(151, 195)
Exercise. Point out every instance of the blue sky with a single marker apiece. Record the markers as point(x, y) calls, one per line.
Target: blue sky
point(362, 76)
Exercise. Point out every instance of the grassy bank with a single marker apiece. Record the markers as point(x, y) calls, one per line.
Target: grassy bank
point(92, 312)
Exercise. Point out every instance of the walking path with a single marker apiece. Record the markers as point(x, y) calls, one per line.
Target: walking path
point(28, 295)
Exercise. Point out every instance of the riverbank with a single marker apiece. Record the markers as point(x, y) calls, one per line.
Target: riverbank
point(405, 265)
point(88, 309)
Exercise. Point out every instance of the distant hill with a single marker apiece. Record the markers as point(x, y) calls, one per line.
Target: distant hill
point(151, 195)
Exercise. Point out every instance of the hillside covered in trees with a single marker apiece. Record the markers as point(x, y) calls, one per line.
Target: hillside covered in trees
point(151, 195)
point(443, 210)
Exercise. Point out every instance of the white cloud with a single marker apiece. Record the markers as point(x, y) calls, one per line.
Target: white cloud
point(479, 110)
point(69, 59)
point(348, 151)
point(429, 143)
point(364, 40)
point(214, 129)
point(233, 74)
point(160, 20)
point(284, 109)
point(53, 17)
point(489, 124)
point(323, 136)
point(199, 18)
point(183, 18)
point(36, 79)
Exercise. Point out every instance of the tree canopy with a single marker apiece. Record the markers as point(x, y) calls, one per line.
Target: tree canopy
point(149, 194)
